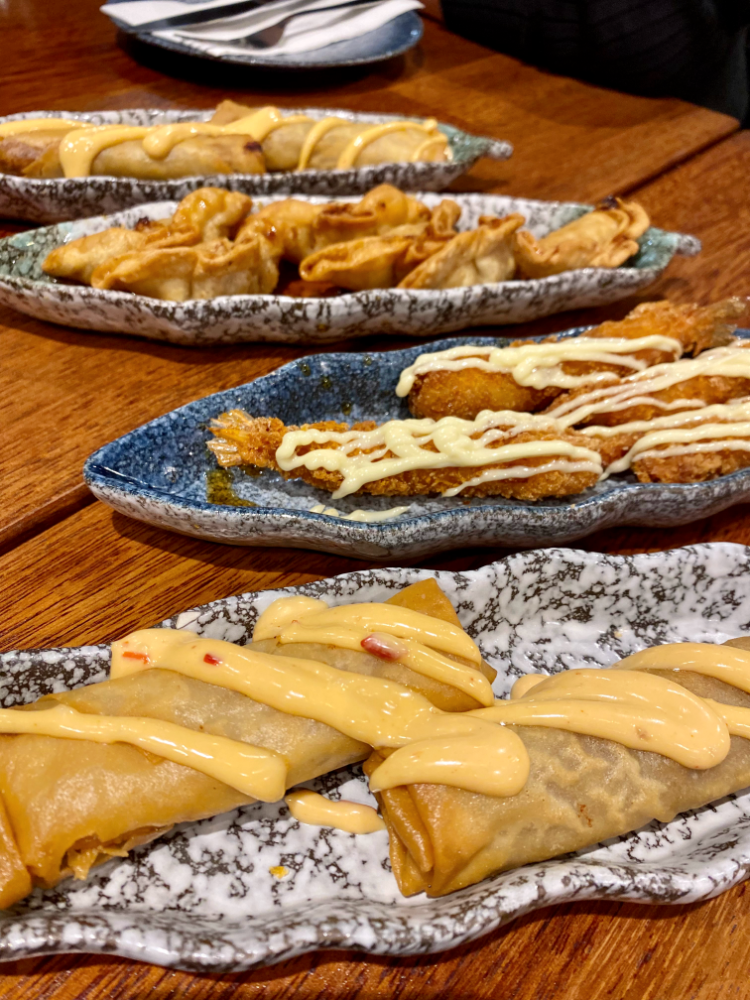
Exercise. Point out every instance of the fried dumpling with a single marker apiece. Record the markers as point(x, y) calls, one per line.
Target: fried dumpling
point(382, 261)
point(214, 213)
point(479, 256)
point(299, 228)
point(605, 237)
point(205, 214)
point(198, 272)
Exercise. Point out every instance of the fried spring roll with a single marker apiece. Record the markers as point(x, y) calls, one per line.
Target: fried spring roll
point(286, 146)
point(581, 790)
point(200, 154)
point(66, 805)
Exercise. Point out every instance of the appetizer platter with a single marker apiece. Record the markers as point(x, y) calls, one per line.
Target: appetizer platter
point(641, 421)
point(254, 883)
point(57, 165)
point(221, 267)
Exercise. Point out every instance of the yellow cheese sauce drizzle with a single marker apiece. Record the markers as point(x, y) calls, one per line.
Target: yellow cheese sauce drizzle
point(23, 125)
point(479, 750)
point(258, 773)
point(429, 444)
point(351, 817)
point(78, 151)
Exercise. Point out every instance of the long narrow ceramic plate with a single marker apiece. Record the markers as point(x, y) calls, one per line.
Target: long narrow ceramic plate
point(57, 198)
point(278, 318)
point(204, 896)
point(162, 473)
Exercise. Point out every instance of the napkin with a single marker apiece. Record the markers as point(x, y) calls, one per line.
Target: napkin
point(239, 26)
point(144, 13)
point(305, 32)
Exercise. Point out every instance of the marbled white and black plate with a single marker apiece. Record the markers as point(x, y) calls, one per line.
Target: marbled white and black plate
point(162, 473)
point(54, 199)
point(231, 319)
point(203, 898)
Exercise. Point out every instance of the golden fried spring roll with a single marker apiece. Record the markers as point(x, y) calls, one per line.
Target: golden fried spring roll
point(67, 804)
point(303, 143)
point(580, 790)
point(197, 155)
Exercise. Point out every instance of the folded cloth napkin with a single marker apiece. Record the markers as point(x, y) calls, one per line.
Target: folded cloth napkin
point(306, 32)
point(240, 26)
point(145, 14)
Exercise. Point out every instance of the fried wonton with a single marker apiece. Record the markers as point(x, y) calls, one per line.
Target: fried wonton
point(605, 237)
point(383, 261)
point(481, 255)
point(205, 214)
point(198, 272)
point(299, 228)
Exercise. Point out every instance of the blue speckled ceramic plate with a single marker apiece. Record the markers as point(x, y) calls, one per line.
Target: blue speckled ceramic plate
point(158, 474)
point(54, 199)
point(392, 39)
point(278, 318)
point(203, 897)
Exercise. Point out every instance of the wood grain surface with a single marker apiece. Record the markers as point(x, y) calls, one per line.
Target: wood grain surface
point(72, 571)
point(57, 408)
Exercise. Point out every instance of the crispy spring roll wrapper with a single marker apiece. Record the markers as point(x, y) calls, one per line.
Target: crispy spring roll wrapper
point(20, 150)
point(282, 147)
point(581, 790)
point(200, 154)
point(66, 805)
point(466, 392)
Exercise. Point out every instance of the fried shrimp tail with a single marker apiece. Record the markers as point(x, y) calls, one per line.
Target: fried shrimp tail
point(493, 455)
point(528, 376)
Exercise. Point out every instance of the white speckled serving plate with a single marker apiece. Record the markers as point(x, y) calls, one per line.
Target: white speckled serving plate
point(250, 318)
point(58, 198)
point(158, 473)
point(202, 897)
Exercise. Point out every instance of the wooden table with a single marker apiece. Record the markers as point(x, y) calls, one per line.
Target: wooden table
point(72, 571)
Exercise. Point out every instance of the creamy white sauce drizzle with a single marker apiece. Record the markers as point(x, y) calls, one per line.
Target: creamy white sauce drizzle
point(360, 515)
point(459, 443)
point(730, 362)
point(540, 365)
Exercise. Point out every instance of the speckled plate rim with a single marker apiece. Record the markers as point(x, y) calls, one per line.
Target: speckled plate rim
point(617, 502)
point(283, 319)
point(720, 574)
